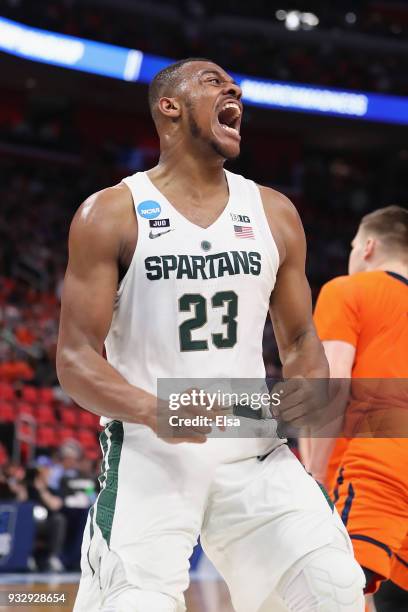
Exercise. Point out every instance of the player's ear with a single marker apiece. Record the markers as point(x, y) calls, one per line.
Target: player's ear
point(170, 108)
point(369, 247)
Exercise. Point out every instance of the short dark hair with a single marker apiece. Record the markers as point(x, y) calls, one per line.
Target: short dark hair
point(390, 224)
point(166, 81)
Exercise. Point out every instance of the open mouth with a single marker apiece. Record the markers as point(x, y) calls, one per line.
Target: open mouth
point(229, 117)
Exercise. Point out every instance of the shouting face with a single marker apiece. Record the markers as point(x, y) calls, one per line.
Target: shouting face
point(209, 108)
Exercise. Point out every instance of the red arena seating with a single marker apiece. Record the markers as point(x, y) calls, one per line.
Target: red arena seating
point(45, 414)
point(6, 392)
point(3, 455)
point(65, 433)
point(87, 419)
point(46, 395)
point(93, 453)
point(7, 412)
point(46, 436)
point(24, 408)
point(68, 416)
point(29, 394)
point(87, 438)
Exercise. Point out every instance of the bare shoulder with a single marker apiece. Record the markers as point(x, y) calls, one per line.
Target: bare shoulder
point(104, 226)
point(283, 218)
point(108, 208)
point(276, 203)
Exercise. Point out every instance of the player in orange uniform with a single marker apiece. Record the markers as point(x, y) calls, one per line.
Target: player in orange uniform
point(362, 320)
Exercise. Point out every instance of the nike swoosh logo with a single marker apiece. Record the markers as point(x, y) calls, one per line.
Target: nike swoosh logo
point(151, 235)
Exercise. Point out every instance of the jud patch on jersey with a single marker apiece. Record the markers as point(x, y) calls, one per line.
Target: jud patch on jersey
point(159, 222)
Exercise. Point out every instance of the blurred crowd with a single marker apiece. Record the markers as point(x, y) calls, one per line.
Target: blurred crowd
point(61, 488)
point(253, 38)
point(33, 228)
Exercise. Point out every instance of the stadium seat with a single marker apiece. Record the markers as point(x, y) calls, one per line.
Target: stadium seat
point(68, 416)
point(87, 419)
point(93, 453)
point(3, 455)
point(46, 395)
point(29, 394)
point(45, 414)
point(7, 412)
point(87, 438)
point(24, 408)
point(46, 436)
point(65, 433)
point(7, 392)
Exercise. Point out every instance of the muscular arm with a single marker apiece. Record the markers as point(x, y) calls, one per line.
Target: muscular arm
point(316, 452)
point(95, 244)
point(300, 349)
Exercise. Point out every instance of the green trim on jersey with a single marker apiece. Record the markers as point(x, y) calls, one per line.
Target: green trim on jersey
point(326, 495)
point(111, 442)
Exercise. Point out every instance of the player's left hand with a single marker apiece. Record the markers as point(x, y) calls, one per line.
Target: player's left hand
point(302, 401)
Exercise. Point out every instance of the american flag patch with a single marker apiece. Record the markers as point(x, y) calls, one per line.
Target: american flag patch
point(244, 231)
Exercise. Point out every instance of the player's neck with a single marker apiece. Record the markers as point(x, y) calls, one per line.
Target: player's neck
point(186, 169)
point(396, 266)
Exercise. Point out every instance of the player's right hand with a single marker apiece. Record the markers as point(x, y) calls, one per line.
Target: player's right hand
point(189, 423)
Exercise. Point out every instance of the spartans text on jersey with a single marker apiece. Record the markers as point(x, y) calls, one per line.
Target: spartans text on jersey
point(228, 263)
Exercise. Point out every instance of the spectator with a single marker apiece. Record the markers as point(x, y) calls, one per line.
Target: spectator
point(66, 465)
point(11, 485)
point(50, 521)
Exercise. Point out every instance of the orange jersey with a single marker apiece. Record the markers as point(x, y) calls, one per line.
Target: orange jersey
point(370, 311)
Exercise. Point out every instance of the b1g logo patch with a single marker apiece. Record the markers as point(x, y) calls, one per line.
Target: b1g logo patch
point(240, 218)
point(159, 223)
point(149, 209)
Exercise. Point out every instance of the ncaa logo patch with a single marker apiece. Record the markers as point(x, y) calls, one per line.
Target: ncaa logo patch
point(149, 209)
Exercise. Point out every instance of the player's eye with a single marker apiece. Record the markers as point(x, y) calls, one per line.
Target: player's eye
point(214, 80)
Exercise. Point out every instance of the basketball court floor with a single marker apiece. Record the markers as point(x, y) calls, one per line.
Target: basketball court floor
point(204, 595)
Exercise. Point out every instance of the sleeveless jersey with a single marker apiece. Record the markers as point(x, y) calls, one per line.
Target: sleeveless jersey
point(194, 301)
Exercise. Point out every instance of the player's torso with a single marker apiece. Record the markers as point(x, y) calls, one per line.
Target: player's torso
point(193, 302)
point(382, 349)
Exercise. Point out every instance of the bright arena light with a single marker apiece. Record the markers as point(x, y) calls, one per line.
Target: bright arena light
point(43, 45)
point(351, 18)
point(40, 513)
point(310, 19)
point(132, 65)
point(292, 20)
point(308, 98)
point(295, 19)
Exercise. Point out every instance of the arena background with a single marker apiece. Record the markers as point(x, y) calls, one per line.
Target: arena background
point(326, 123)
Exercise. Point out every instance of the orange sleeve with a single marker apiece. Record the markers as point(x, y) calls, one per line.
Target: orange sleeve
point(336, 314)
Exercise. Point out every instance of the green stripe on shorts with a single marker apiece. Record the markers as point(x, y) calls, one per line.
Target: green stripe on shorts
point(103, 440)
point(326, 495)
point(111, 442)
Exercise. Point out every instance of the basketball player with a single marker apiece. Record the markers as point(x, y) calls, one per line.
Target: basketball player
point(174, 270)
point(362, 321)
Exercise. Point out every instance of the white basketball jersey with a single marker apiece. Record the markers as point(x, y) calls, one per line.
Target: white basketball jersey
point(194, 301)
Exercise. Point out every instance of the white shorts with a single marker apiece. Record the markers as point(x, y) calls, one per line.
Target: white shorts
point(256, 518)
